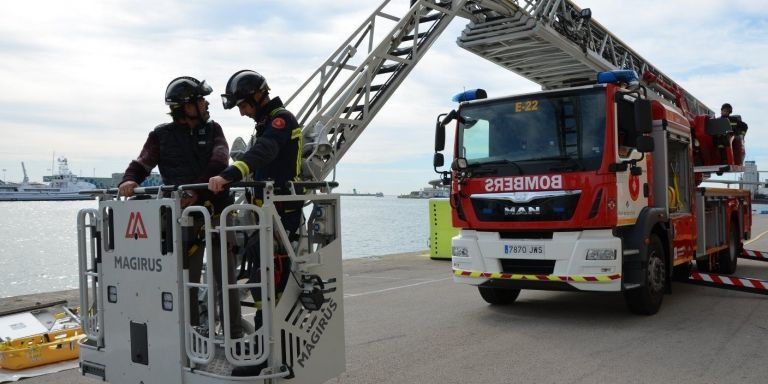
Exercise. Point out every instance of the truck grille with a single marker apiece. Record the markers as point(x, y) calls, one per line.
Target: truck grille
point(527, 267)
point(512, 208)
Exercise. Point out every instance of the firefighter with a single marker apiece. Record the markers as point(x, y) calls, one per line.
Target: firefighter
point(739, 127)
point(274, 155)
point(190, 149)
point(726, 110)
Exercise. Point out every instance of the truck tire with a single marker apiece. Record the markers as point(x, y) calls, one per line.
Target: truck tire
point(646, 299)
point(728, 258)
point(498, 296)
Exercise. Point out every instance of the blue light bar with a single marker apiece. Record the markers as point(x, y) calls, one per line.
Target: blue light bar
point(621, 76)
point(472, 94)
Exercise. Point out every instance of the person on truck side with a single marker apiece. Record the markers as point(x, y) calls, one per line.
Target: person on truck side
point(190, 149)
point(274, 155)
point(739, 127)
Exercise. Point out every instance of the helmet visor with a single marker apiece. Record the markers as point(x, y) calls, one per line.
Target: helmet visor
point(204, 89)
point(230, 101)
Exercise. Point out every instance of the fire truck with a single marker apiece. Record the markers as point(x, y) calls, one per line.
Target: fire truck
point(591, 188)
point(588, 185)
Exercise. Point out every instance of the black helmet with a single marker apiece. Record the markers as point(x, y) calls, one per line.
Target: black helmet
point(241, 85)
point(727, 106)
point(185, 89)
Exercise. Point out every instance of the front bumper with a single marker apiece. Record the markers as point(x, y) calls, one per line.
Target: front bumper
point(558, 263)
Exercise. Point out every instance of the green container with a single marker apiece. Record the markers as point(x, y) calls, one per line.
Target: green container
point(440, 229)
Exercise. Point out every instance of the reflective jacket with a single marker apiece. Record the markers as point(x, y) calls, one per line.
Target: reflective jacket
point(275, 154)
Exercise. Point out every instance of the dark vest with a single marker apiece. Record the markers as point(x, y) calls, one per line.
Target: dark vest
point(184, 152)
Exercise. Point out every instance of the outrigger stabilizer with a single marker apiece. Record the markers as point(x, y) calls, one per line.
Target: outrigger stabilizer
point(734, 283)
point(136, 292)
point(754, 255)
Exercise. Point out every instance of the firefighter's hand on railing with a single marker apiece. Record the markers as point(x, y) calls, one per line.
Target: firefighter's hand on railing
point(217, 183)
point(126, 188)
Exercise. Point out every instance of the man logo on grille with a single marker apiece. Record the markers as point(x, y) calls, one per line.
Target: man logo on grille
point(135, 229)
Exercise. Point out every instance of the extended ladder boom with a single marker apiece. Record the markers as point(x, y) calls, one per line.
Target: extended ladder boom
point(557, 44)
point(551, 42)
point(333, 115)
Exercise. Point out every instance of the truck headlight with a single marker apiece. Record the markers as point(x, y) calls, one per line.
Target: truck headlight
point(601, 254)
point(459, 252)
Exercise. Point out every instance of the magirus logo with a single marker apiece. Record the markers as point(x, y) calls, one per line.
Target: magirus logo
point(135, 228)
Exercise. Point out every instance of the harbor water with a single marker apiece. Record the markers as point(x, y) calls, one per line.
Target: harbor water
point(38, 240)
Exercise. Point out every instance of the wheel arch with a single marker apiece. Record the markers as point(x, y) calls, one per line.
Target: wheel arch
point(652, 220)
point(662, 232)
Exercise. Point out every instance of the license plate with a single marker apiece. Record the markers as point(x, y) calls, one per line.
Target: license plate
point(523, 249)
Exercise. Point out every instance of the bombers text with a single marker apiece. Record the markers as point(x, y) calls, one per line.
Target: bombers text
point(523, 183)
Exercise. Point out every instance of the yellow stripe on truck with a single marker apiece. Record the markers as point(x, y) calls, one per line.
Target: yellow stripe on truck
point(512, 276)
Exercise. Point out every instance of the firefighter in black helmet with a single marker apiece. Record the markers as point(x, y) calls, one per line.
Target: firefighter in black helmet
point(274, 154)
point(190, 149)
point(739, 127)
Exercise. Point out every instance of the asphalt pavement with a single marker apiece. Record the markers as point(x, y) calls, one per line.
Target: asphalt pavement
point(407, 322)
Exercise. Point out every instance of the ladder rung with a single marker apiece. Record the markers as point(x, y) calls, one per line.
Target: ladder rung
point(431, 17)
point(410, 37)
point(374, 88)
point(388, 68)
point(356, 108)
point(401, 51)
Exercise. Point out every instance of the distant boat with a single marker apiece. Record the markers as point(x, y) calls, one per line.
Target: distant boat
point(354, 193)
point(427, 193)
point(63, 186)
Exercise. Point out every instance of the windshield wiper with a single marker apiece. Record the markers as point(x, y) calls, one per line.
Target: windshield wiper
point(498, 162)
point(574, 162)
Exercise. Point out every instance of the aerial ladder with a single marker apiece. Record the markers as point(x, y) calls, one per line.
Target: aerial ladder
point(553, 43)
point(134, 280)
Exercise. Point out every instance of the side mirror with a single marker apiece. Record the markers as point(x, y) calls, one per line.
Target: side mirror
point(645, 144)
point(238, 149)
point(438, 161)
point(643, 116)
point(440, 131)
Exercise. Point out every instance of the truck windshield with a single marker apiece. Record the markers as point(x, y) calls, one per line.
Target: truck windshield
point(538, 133)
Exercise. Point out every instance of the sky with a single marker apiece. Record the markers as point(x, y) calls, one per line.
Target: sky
point(86, 79)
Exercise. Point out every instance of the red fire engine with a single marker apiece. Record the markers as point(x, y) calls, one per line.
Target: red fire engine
point(589, 188)
point(594, 183)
